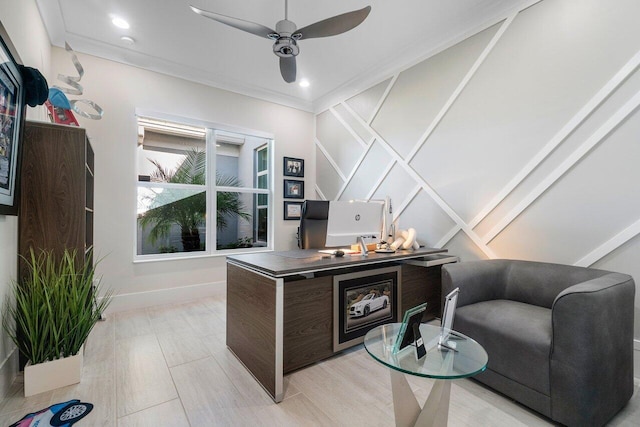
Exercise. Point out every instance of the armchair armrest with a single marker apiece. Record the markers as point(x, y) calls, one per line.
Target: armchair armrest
point(478, 280)
point(592, 349)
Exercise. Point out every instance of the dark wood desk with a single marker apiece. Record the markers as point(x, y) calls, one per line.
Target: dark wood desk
point(280, 304)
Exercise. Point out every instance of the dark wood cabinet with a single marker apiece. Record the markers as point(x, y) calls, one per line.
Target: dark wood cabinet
point(56, 190)
point(420, 285)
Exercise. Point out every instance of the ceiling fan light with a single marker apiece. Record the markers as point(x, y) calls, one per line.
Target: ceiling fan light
point(286, 47)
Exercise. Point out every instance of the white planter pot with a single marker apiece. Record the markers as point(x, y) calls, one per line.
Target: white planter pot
point(51, 375)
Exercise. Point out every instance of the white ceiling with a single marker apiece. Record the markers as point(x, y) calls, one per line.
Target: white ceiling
point(171, 39)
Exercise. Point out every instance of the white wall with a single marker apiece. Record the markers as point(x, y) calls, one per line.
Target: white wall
point(120, 89)
point(22, 22)
point(520, 141)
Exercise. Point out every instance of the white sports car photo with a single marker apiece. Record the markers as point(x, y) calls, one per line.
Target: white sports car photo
point(368, 304)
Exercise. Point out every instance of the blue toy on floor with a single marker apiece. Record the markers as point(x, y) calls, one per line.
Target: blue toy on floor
point(59, 415)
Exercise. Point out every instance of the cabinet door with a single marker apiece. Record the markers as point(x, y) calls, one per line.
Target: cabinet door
point(420, 285)
point(53, 197)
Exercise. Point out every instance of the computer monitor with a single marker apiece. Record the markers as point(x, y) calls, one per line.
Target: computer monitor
point(350, 220)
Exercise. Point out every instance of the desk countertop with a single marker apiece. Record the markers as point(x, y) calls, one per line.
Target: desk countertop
point(281, 264)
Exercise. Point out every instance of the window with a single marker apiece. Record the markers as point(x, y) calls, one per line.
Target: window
point(200, 184)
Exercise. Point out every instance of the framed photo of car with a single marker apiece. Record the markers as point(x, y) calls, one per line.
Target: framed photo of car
point(361, 301)
point(292, 210)
point(293, 189)
point(293, 167)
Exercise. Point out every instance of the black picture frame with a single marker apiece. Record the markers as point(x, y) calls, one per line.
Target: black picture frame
point(292, 210)
point(293, 189)
point(406, 335)
point(350, 325)
point(12, 112)
point(293, 167)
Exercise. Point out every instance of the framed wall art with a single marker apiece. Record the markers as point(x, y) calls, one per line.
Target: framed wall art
point(363, 300)
point(12, 109)
point(292, 210)
point(293, 167)
point(293, 189)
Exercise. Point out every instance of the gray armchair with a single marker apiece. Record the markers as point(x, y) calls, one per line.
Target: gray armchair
point(559, 337)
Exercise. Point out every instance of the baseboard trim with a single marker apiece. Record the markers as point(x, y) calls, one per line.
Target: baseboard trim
point(138, 300)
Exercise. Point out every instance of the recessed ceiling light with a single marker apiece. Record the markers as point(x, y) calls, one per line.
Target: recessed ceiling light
point(127, 40)
point(304, 83)
point(120, 23)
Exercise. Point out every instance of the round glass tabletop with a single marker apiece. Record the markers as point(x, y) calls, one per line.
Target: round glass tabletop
point(464, 357)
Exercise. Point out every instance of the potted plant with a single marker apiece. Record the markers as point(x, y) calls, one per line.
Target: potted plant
point(53, 310)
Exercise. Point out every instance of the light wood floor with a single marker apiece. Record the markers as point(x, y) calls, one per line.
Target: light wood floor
point(168, 366)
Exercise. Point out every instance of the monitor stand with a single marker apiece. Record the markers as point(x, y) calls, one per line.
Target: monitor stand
point(363, 246)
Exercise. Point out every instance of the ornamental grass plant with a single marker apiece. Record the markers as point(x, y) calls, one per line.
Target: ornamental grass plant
point(55, 307)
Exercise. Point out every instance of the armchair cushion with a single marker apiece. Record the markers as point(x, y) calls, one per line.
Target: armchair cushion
point(514, 335)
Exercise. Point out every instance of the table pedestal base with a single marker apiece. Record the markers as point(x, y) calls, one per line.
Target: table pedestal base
point(435, 411)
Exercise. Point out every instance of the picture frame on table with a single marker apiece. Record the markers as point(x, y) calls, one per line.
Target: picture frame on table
point(293, 189)
point(292, 210)
point(448, 314)
point(406, 335)
point(293, 167)
point(12, 110)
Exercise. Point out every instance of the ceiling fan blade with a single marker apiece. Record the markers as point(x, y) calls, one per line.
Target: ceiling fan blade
point(334, 25)
point(248, 26)
point(288, 68)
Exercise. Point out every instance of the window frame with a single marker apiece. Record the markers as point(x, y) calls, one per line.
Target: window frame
point(258, 174)
point(211, 189)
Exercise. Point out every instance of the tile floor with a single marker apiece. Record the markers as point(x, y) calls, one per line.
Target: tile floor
point(168, 366)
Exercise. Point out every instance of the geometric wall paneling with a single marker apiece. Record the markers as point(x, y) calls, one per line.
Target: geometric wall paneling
point(611, 246)
point(338, 142)
point(585, 206)
point(365, 176)
point(365, 104)
point(540, 73)
point(618, 123)
point(464, 248)
point(352, 123)
point(625, 260)
point(533, 153)
point(423, 214)
point(420, 92)
point(597, 111)
point(328, 179)
point(397, 184)
point(428, 189)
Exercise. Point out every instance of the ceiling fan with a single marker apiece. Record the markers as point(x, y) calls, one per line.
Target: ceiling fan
point(286, 34)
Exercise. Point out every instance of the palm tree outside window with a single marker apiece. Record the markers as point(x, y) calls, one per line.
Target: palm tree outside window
point(180, 170)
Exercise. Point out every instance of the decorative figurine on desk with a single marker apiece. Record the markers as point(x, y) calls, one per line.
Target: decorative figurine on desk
point(407, 240)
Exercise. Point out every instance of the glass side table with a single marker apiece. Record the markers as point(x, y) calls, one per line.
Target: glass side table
point(463, 358)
